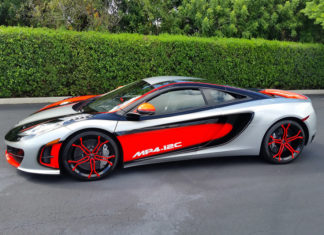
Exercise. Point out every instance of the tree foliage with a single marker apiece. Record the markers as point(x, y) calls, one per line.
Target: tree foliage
point(271, 19)
point(315, 10)
point(8, 11)
point(290, 20)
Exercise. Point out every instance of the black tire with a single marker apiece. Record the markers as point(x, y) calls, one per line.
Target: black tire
point(90, 155)
point(283, 142)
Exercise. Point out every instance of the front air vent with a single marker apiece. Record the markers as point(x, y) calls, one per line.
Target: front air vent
point(15, 153)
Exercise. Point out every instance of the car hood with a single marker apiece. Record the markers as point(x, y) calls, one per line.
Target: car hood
point(49, 113)
point(46, 120)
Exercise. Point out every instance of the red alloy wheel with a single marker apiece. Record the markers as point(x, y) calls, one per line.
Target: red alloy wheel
point(90, 155)
point(283, 142)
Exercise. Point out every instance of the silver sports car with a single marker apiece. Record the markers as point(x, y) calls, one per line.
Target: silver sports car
point(160, 119)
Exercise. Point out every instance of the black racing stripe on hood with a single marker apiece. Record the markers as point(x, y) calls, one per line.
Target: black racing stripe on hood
point(13, 134)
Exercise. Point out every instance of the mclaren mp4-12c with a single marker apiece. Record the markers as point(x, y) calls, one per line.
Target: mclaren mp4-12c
point(160, 119)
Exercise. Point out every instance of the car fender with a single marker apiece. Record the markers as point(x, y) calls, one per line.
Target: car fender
point(105, 125)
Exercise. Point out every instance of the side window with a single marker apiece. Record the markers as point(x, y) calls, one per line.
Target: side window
point(177, 101)
point(215, 96)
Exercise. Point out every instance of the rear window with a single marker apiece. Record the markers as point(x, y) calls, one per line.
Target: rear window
point(215, 96)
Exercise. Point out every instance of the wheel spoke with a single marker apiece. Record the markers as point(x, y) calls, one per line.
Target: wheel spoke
point(85, 148)
point(292, 138)
point(72, 161)
point(291, 149)
point(277, 141)
point(93, 168)
point(105, 159)
point(97, 150)
point(282, 146)
point(284, 136)
point(79, 163)
point(80, 147)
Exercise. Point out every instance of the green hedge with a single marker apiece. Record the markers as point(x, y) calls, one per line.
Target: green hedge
point(43, 62)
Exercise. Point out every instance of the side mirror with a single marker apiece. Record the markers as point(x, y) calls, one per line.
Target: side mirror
point(146, 109)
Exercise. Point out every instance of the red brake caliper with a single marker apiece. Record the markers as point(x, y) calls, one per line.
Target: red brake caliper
point(284, 142)
point(91, 157)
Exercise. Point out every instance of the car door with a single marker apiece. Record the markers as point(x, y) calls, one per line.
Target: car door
point(182, 121)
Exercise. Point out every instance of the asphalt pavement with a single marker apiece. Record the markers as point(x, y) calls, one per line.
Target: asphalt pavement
point(233, 195)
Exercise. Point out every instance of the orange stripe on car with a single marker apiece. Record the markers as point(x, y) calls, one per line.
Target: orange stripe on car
point(282, 93)
point(68, 101)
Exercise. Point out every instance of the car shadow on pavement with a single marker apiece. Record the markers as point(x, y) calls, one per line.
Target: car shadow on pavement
point(204, 163)
point(48, 179)
point(187, 165)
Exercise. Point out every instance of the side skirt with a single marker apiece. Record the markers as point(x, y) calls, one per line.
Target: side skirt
point(175, 158)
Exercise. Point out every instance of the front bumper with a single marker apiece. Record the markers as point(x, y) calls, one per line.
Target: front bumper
point(32, 147)
point(30, 162)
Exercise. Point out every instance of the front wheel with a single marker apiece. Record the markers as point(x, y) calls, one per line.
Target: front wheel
point(283, 142)
point(90, 155)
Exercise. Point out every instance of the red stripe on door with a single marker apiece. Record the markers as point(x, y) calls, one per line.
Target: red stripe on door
point(145, 144)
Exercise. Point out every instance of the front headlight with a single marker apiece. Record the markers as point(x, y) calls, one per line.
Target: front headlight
point(50, 125)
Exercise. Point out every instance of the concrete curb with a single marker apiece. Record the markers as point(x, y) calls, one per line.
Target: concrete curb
point(39, 100)
point(31, 100)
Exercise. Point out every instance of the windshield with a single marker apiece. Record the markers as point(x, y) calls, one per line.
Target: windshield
point(118, 98)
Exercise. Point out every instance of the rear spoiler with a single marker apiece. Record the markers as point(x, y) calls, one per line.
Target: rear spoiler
point(282, 93)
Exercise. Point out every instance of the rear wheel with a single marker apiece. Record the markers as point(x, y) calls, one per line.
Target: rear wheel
point(90, 155)
point(283, 142)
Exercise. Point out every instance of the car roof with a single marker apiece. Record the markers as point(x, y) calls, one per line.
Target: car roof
point(202, 82)
point(160, 79)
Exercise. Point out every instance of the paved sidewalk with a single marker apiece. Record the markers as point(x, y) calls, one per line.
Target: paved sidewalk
point(39, 100)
